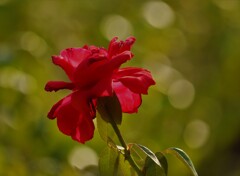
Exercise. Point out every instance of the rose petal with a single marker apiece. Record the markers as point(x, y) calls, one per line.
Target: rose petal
point(75, 56)
point(67, 119)
point(116, 47)
point(84, 130)
point(98, 74)
point(136, 79)
point(81, 99)
point(88, 70)
point(52, 113)
point(113, 47)
point(57, 85)
point(70, 58)
point(127, 44)
point(101, 88)
point(75, 118)
point(129, 101)
point(64, 64)
point(121, 58)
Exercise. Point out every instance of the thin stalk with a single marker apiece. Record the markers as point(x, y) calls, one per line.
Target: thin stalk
point(127, 154)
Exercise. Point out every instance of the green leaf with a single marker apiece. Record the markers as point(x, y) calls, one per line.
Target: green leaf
point(110, 109)
point(182, 156)
point(108, 162)
point(124, 167)
point(147, 151)
point(162, 159)
point(138, 156)
point(152, 169)
point(105, 129)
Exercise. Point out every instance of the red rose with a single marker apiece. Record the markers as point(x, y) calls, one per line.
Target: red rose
point(94, 72)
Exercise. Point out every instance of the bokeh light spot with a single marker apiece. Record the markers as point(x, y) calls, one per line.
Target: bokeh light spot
point(181, 94)
point(158, 14)
point(17, 80)
point(82, 157)
point(33, 43)
point(116, 25)
point(162, 71)
point(196, 133)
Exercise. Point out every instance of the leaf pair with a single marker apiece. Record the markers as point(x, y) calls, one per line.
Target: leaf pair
point(155, 164)
point(152, 169)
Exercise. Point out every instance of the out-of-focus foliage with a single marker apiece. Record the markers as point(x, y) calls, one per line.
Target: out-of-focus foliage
point(191, 47)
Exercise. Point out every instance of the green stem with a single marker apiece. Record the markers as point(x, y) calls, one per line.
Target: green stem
point(127, 154)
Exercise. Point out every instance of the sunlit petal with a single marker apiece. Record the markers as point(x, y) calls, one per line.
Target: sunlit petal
point(129, 101)
point(136, 79)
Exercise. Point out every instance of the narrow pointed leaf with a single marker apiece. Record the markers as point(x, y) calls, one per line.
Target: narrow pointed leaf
point(152, 169)
point(110, 109)
point(182, 156)
point(147, 151)
point(162, 159)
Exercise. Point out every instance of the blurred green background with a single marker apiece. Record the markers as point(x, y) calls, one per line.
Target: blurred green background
point(190, 46)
